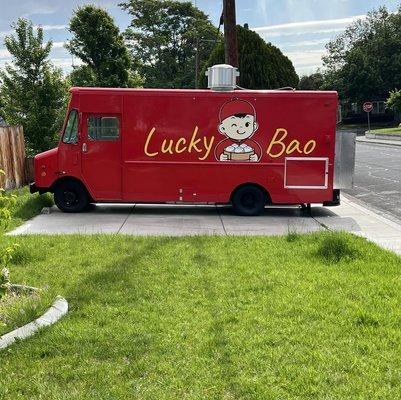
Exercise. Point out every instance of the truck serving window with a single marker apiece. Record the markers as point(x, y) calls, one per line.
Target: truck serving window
point(71, 130)
point(103, 128)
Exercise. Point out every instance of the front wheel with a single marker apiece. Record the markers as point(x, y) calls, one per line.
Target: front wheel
point(71, 197)
point(249, 201)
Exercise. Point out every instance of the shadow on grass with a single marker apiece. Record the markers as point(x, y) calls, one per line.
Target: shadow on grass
point(30, 207)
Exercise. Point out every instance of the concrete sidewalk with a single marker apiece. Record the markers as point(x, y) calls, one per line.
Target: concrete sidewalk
point(143, 220)
point(363, 139)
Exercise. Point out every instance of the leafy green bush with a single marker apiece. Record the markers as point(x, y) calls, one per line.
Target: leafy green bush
point(5, 254)
point(4, 282)
point(335, 247)
point(394, 102)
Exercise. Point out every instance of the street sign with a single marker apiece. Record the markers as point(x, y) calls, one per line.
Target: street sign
point(368, 107)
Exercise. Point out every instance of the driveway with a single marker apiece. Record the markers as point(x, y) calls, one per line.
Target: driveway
point(184, 220)
point(168, 220)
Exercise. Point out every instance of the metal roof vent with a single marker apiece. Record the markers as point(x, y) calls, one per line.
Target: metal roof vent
point(222, 77)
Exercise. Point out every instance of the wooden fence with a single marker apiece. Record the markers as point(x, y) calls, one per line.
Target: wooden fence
point(12, 158)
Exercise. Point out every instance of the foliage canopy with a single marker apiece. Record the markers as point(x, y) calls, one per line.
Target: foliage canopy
point(163, 38)
point(365, 61)
point(97, 41)
point(311, 82)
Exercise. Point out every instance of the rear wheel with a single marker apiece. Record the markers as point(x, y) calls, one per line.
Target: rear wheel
point(249, 201)
point(71, 197)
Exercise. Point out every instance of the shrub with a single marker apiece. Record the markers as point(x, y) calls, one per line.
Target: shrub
point(394, 101)
point(5, 254)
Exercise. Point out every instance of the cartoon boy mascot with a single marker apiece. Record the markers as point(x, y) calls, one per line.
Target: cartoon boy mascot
point(238, 124)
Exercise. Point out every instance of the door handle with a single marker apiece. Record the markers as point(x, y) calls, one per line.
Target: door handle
point(84, 148)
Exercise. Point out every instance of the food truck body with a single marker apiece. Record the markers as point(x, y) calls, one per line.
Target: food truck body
point(248, 148)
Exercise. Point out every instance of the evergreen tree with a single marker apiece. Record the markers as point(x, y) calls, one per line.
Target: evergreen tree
point(33, 93)
point(261, 65)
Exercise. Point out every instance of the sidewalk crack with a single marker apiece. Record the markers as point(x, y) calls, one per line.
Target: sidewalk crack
point(221, 220)
point(126, 219)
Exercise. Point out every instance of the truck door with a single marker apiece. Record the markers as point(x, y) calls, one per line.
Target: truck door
point(101, 155)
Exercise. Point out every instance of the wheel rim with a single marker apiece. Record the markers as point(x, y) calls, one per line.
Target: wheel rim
point(70, 198)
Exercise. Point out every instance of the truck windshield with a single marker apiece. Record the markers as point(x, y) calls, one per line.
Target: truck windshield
point(71, 130)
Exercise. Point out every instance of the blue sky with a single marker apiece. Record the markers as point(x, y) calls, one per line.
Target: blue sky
point(300, 28)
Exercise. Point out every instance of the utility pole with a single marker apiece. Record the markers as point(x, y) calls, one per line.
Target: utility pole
point(230, 33)
point(197, 64)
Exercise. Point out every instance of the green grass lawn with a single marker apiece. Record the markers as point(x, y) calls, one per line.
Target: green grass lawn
point(204, 317)
point(362, 126)
point(209, 318)
point(394, 130)
point(27, 206)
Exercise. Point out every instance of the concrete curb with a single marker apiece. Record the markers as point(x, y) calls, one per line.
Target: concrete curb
point(363, 139)
point(51, 316)
point(384, 136)
point(372, 212)
point(22, 288)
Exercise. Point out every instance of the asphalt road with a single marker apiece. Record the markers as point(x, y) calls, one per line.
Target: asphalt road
point(377, 181)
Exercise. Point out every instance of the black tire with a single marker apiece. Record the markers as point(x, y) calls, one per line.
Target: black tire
point(90, 207)
point(71, 197)
point(249, 201)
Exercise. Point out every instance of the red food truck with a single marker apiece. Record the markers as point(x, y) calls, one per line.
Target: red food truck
point(245, 148)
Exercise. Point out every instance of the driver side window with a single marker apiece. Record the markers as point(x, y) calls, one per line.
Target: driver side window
point(71, 129)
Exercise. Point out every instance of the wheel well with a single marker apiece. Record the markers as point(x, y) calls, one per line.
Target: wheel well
point(69, 179)
point(266, 193)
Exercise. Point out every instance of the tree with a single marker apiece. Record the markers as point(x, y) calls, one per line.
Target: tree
point(33, 92)
point(394, 103)
point(261, 65)
point(164, 37)
point(365, 61)
point(311, 82)
point(97, 41)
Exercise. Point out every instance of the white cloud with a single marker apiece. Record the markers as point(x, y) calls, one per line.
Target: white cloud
point(52, 27)
point(66, 62)
point(311, 27)
point(5, 33)
point(41, 10)
point(45, 28)
point(58, 45)
point(4, 54)
point(305, 58)
point(307, 43)
point(310, 58)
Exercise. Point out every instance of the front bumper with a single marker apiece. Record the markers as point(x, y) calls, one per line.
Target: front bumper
point(33, 188)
